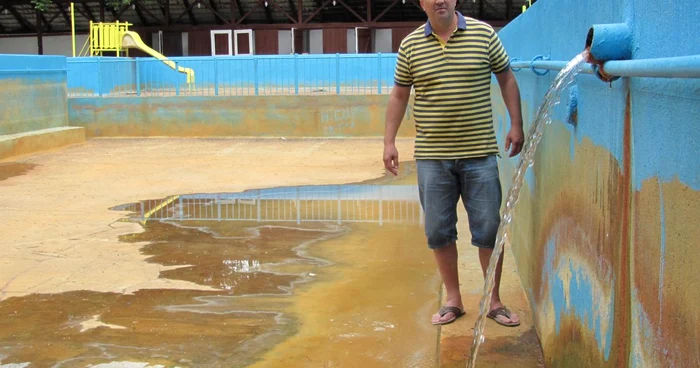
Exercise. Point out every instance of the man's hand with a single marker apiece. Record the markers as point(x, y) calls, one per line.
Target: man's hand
point(516, 139)
point(391, 158)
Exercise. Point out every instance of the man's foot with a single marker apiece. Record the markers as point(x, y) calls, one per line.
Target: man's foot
point(502, 315)
point(447, 314)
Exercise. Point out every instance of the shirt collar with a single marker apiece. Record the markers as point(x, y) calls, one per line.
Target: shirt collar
point(461, 24)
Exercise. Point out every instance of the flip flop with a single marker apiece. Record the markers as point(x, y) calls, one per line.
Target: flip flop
point(447, 309)
point(502, 311)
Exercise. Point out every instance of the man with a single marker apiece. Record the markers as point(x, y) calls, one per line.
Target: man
point(449, 62)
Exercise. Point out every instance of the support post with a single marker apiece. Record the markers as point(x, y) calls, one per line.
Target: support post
point(216, 77)
point(40, 40)
point(138, 78)
point(296, 74)
point(379, 73)
point(72, 25)
point(337, 74)
point(255, 74)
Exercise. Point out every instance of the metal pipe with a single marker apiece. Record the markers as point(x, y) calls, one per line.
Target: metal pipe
point(671, 67)
point(608, 42)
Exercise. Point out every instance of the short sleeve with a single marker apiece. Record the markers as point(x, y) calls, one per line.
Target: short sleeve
point(497, 54)
point(402, 74)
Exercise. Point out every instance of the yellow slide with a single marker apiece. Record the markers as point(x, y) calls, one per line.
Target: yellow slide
point(132, 40)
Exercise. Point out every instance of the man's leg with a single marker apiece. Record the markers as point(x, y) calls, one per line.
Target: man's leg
point(439, 193)
point(446, 259)
point(485, 259)
point(481, 194)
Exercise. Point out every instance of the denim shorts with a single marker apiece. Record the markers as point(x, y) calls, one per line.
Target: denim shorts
point(440, 185)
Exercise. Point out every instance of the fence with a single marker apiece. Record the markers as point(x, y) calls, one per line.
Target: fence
point(232, 76)
point(338, 203)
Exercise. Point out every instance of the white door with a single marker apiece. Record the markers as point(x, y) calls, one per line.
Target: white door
point(243, 42)
point(221, 43)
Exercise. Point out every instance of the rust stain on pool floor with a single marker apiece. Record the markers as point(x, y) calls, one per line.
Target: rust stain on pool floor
point(283, 294)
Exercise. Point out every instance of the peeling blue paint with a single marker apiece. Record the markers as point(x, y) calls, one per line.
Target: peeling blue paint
point(584, 302)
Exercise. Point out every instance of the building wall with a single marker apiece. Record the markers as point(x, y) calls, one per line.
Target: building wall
point(316, 41)
point(32, 101)
point(382, 40)
point(285, 42)
point(605, 233)
point(198, 42)
point(53, 45)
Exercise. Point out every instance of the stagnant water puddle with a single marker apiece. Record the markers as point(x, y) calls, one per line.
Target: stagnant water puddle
point(302, 276)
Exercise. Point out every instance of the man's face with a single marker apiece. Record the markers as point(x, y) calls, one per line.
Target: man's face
point(439, 9)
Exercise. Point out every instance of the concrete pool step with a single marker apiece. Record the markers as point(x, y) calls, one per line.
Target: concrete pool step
point(39, 140)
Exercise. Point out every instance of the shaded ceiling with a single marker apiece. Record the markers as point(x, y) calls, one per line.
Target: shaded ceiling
point(20, 16)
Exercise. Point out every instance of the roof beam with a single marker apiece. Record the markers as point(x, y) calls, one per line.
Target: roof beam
point(369, 10)
point(248, 13)
point(351, 10)
point(239, 6)
point(63, 12)
point(137, 7)
point(186, 4)
point(48, 22)
point(268, 13)
point(189, 9)
point(293, 8)
point(318, 10)
point(281, 9)
point(23, 22)
point(210, 4)
point(490, 6)
point(87, 11)
point(386, 10)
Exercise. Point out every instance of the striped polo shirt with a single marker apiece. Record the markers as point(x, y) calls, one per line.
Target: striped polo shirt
point(452, 83)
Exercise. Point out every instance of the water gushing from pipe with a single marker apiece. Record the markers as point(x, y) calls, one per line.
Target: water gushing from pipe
point(544, 117)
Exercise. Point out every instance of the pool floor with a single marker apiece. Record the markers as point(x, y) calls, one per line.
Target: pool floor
point(83, 282)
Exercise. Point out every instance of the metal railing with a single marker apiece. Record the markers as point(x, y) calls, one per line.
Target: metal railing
point(233, 76)
point(337, 204)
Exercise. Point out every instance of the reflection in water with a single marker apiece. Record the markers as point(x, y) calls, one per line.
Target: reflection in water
point(244, 266)
point(263, 307)
point(329, 203)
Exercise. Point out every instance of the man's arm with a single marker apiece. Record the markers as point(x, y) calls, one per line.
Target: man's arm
point(511, 98)
point(398, 100)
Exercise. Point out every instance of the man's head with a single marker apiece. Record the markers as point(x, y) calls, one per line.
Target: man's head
point(439, 10)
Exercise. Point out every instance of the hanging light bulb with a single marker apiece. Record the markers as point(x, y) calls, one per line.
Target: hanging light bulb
point(333, 2)
point(199, 5)
point(266, 4)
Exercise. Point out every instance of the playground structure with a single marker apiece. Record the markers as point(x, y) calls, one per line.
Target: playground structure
point(116, 37)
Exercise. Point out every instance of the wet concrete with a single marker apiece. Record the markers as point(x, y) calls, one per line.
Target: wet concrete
point(93, 286)
point(261, 302)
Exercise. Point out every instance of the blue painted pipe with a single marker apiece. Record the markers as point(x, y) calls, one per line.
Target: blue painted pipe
point(610, 42)
point(671, 67)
